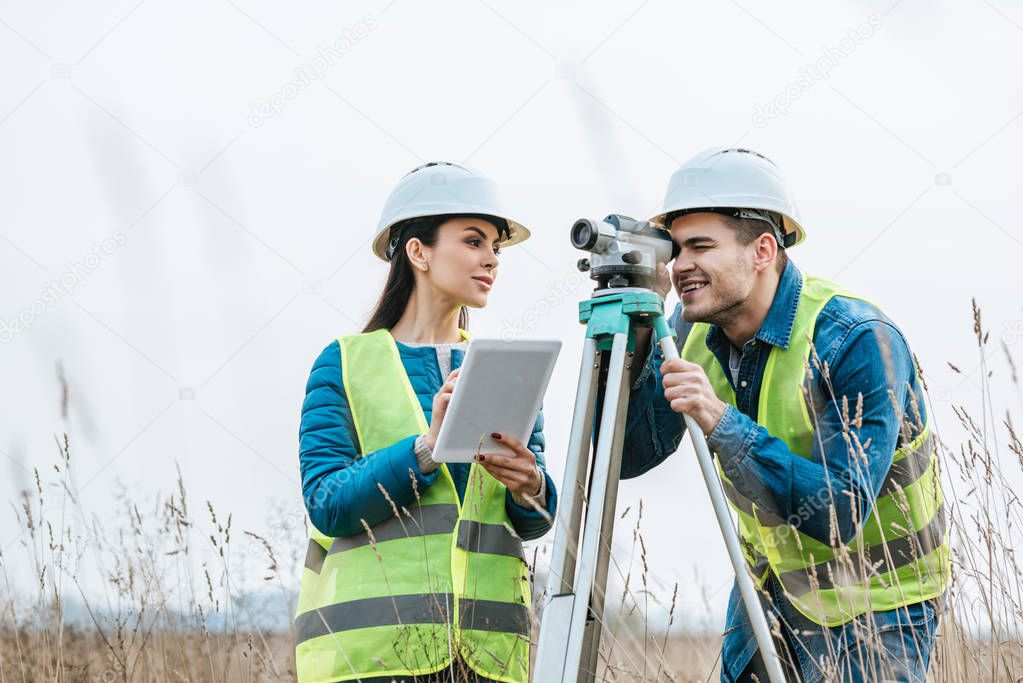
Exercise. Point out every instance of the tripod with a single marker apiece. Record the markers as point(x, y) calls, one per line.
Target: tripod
point(571, 623)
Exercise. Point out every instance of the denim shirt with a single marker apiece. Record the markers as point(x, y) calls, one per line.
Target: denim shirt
point(866, 355)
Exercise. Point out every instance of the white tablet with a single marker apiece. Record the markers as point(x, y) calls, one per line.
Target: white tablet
point(499, 389)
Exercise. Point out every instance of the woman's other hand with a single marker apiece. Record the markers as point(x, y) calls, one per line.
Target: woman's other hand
point(518, 472)
point(441, 400)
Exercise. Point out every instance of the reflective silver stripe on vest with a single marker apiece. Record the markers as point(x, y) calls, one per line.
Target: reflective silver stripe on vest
point(902, 473)
point(496, 539)
point(314, 556)
point(760, 567)
point(430, 608)
point(764, 518)
point(903, 551)
point(405, 610)
point(907, 470)
point(491, 615)
point(422, 521)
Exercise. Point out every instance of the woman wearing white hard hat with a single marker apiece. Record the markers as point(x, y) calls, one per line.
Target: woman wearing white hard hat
point(415, 570)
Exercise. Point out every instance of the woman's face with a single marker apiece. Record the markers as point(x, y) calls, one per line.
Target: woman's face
point(464, 259)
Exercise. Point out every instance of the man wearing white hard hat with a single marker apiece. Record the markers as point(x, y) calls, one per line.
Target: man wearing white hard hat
point(812, 404)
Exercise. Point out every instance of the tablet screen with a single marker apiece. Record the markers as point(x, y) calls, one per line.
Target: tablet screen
point(499, 389)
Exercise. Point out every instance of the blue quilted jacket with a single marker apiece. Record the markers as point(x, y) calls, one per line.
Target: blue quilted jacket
point(340, 488)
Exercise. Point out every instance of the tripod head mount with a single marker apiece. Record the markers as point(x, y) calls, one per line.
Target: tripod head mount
point(624, 252)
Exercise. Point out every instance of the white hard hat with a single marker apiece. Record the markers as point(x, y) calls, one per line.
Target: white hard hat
point(728, 179)
point(442, 188)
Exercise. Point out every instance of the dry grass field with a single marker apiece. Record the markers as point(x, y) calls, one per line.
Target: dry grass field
point(164, 614)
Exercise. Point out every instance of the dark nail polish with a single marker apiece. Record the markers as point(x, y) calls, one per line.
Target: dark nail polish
point(496, 435)
point(482, 458)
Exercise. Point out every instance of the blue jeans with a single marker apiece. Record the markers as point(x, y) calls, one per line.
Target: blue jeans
point(894, 645)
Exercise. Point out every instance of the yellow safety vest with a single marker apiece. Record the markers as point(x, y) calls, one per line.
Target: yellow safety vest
point(441, 578)
point(900, 554)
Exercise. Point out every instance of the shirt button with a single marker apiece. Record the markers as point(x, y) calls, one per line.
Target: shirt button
point(743, 383)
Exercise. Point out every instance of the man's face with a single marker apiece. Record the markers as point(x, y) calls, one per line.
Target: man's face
point(713, 273)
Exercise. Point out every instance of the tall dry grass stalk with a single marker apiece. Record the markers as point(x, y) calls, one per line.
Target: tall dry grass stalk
point(128, 600)
point(133, 599)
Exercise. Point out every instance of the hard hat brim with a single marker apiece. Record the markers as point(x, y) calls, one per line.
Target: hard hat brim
point(518, 233)
point(791, 225)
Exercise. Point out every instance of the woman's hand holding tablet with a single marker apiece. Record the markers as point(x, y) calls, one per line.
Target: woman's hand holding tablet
point(518, 472)
point(440, 405)
point(499, 390)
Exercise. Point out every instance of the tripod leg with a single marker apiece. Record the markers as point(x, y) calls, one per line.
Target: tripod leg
point(566, 538)
point(717, 498)
point(556, 623)
point(599, 591)
point(588, 610)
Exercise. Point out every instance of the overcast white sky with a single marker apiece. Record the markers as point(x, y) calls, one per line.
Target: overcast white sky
point(239, 242)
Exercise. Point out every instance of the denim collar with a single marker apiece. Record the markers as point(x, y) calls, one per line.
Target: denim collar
point(777, 326)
